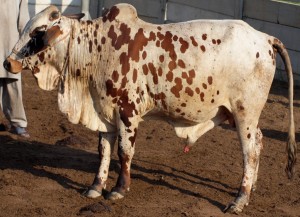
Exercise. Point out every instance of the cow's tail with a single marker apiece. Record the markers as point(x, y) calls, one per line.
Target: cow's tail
point(291, 147)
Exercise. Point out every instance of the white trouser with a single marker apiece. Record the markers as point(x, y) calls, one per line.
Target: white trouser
point(11, 101)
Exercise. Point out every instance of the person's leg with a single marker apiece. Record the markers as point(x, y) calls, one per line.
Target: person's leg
point(13, 107)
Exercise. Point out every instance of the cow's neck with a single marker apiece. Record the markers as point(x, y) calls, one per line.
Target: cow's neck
point(75, 98)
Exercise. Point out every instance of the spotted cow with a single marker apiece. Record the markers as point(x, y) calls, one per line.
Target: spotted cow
point(116, 71)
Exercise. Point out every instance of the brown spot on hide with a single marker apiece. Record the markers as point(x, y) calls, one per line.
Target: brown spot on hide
point(214, 41)
point(178, 110)
point(115, 76)
point(202, 48)
point(35, 70)
point(111, 14)
point(110, 90)
point(138, 43)
point(204, 37)
point(189, 91)
point(184, 45)
point(124, 82)
point(90, 46)
point(134, 76)
point(189, 77)
point(204, 85)
point(124, 37)
point(160, 71)
point(202, 96)
point(132, 138)
point(249, 136)
point(218, 92)
point(157, 43)
point(145, 69)
point(159, 28)
point(212, 101)
point(183, 104)
point(78, 40)
point(161, 58)
point(167, 45)
point(153, 72)
point(127, 108)
point(197, 90)
point(41, 56)
point(194, 41)
point(124, 61)
point(112, 35)
point(219, 41)
point(144, 55)
point(210, 80)
point(177, 88)
point(103, 40)
point(181, 63)
point(169, 76)
point(172, 65)
point(175, 38)
point(99, 48)
point(257, 54)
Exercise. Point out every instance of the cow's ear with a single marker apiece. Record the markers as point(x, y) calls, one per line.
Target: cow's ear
point(75, 16)
point(51, 34)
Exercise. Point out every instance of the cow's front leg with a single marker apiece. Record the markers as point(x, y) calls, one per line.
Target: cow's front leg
point(127, 136)
point(106, 143)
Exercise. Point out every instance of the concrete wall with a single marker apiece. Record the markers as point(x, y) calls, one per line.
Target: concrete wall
point(66, 6)
point(282, 21)
point(275, 18)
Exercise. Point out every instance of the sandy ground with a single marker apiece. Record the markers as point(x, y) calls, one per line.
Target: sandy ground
point(46, 174)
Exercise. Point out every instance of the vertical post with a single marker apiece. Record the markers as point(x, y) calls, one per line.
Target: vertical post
point(100, 7)
point(239, 6)
point(163, 6)
point(85, 8)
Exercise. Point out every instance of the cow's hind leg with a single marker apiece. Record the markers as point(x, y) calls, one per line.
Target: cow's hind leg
point(106, 143)
point(247, 131)
point(258, 148)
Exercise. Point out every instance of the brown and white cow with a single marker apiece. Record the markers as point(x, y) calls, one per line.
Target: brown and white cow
point(117, 70)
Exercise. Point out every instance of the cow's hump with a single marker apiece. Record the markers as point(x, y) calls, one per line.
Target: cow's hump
point(120, 12)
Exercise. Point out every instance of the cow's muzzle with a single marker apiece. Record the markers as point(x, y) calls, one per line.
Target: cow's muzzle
point(11, 65)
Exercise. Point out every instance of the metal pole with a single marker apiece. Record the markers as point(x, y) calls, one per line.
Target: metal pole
point(85, 8)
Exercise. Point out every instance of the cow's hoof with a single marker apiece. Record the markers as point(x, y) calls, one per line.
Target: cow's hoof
point(115, 195)
point(91, 193)
point(233, 208)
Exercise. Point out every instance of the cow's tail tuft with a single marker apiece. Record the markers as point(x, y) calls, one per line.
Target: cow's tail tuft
point(291, 147)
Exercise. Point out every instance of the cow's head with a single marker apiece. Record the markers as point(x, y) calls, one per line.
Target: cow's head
point(43, 47)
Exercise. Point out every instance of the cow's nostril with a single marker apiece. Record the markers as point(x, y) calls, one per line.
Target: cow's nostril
point(7, 65)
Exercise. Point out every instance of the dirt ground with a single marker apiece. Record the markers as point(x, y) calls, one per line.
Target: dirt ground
point(46, 174)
